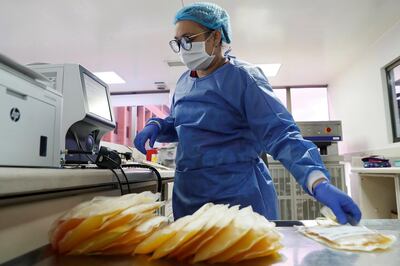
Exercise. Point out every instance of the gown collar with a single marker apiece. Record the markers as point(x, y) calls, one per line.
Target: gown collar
point(193, 74)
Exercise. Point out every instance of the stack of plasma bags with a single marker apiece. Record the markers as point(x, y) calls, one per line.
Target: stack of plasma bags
point(128, 225)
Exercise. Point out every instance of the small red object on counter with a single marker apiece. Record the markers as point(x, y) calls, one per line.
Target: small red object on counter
point(150, 153)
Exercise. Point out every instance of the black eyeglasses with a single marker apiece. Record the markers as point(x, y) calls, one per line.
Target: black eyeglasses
point(185, 42)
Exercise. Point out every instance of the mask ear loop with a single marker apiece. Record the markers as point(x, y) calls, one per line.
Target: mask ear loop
point(214, 46)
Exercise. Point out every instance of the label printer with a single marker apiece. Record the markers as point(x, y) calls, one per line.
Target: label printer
point(51, 114)
point(30, 117)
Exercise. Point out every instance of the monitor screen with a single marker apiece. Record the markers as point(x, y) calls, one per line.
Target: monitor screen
point(97, 98)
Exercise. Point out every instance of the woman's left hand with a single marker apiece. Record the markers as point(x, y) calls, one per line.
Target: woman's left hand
point(345, 209)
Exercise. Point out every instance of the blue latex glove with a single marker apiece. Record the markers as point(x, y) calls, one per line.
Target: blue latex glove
point(343, 206)
point(149, 132)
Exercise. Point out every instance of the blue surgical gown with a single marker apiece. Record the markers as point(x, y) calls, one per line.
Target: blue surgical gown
point(222, 123)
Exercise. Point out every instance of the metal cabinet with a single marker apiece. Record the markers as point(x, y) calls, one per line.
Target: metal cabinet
point(294, 203)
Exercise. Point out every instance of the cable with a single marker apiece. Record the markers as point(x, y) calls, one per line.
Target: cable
point(155, 171)
point(126, 178)
point(82, 151)
point(112, 170)
point(118, 180)
point(122, 170)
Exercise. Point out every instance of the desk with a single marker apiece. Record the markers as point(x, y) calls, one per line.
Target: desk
point(32, 198)
point(379, 191)
point(298, 250)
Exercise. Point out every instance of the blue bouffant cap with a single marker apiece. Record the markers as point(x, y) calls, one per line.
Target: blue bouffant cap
point(208, 15)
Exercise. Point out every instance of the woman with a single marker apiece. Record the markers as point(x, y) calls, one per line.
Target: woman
point(224, 114)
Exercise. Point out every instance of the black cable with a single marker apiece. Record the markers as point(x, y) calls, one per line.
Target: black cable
point(126, 178)
point(112, 170)
point(122, 170)
point(155, 171)
point(118, 180)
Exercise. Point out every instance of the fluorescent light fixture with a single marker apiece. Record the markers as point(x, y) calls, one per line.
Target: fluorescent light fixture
point(270, 70)
point(109, 77)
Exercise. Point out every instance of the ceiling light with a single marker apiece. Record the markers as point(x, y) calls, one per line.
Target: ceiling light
point(270, 70)
point(110, 77)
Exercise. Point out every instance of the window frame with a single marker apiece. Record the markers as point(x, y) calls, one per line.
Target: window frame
point(289, 94)
point(388, 72)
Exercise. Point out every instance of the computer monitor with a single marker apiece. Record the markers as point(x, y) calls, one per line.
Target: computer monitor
point(97, 97)
point(87, 113)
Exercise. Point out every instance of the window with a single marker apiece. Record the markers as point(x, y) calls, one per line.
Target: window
point(281, 94)
point(393, 81)
point(310, 104)
point(305, 103)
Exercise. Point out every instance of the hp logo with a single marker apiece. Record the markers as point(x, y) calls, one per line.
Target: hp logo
point(15, 115)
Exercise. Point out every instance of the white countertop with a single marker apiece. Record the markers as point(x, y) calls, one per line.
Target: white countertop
point(325, 159)
point(297, 250)
point(23, 180)
point(382, 170)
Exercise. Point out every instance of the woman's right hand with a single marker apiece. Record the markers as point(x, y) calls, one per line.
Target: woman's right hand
point(149, 132)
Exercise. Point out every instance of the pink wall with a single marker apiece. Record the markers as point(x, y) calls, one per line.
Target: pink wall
point(123, 132)
point(144, 113)
point(123, 118)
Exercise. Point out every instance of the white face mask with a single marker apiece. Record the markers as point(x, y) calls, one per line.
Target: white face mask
point(197, 58)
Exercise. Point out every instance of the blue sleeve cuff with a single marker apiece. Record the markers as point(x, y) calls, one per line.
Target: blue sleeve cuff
point(154, 122)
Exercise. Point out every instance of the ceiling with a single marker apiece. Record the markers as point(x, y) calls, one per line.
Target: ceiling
point(314, 40)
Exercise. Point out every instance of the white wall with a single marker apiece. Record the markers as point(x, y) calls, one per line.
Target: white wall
point(358, 97)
